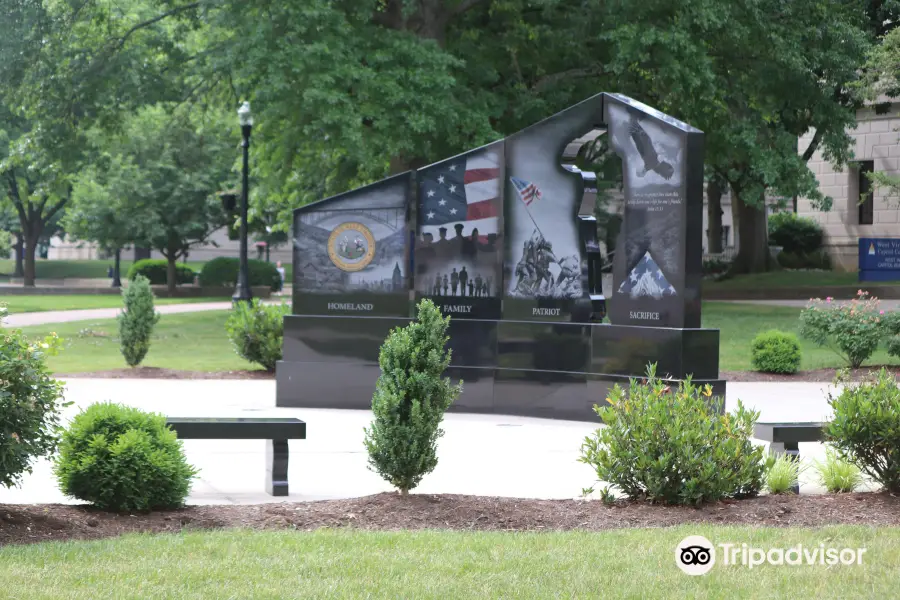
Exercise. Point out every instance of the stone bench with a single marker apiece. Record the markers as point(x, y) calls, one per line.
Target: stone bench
point(784, 438)
point(276, 432)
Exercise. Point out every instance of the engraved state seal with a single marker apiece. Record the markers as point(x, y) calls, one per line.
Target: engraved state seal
point(351, 247)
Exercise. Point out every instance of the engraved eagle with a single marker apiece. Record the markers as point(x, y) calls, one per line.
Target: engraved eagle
point(648, 153)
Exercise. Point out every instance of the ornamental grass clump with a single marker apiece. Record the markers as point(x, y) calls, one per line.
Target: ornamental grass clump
point(837, 475)
point(410, 400)
point(852, 330)
point(674, 446)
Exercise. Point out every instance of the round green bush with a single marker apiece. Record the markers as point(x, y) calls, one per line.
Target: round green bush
point(775, 352)
point(156, 270)
point(796, 235)
point(123, 459)
point(223, 271)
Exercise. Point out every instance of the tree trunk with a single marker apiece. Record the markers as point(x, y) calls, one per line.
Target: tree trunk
point(20, 256)
point(714, 216)
point(30, 251)
point(171, 273)
point(141, 253)
point(117, 279)
point(753, 236)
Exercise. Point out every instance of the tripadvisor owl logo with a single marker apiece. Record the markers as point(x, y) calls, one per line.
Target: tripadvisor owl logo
point(695, 555)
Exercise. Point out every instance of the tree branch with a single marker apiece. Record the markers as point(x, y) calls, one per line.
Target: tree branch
point(813, 145)
point(54, 209)
point(16, 198)
point(156, 19)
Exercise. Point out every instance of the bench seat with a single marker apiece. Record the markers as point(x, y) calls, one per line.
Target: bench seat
point(276, 432)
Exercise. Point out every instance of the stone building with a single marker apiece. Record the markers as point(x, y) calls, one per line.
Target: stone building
point(859, 210)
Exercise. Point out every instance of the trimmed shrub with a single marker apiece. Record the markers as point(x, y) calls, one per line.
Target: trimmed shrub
point(223, 271)
point(123, 459)
point(257, 331)
point(852, 330)
point(30, 403)
point(796, 235)
point(136, 321)
point(775, 352)
point(715, 266)
point(156, 270)
point(865, 428)
point(813, 260)
point(410, 400)
point(674, 446)
point(837, 475)
point(891, 322)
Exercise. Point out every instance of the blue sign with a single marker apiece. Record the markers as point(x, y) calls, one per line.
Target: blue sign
point(879, 259)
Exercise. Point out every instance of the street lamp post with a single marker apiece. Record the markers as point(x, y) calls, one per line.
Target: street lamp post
point(242, 291)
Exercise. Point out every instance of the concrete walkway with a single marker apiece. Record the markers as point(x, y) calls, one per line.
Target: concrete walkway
point(68, 316)
point(480, 454)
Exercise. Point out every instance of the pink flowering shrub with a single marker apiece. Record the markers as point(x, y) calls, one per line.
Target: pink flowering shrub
point(853, 330)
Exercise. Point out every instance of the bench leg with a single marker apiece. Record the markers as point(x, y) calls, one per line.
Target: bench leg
point(791, 449)
point(277, 467)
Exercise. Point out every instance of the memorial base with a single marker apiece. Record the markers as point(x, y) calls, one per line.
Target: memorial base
point(536, 369)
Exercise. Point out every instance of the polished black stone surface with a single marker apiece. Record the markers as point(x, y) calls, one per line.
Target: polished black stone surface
point(277, 467)
point(551, 369)
point(353, 304)
point(217, 428)
point(336, 339)
point(276, 432)
point(504, 239)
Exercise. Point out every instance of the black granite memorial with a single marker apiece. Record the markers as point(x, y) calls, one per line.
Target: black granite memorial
point(503, 238)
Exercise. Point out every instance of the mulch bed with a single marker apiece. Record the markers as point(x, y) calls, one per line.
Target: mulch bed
point(158, 373)
point(22, 524)
point(815, 375)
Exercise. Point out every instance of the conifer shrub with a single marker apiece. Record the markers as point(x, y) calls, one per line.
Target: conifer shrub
point(136, 321)
point(410, 399)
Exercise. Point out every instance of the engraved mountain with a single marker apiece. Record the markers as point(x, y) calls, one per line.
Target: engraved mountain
point(646, 280)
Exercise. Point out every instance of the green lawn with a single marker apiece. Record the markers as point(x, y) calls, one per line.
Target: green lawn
point(25, 304)
point(636, 563)
point(189, 341)
point(781, 279)
point(197, 341)
point(739, 323)
point(94, 269)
